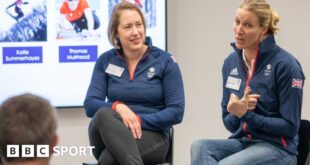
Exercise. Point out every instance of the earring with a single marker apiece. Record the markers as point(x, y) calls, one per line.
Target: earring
point(118, 41)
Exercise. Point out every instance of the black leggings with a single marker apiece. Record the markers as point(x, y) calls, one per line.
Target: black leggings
point(115, 144)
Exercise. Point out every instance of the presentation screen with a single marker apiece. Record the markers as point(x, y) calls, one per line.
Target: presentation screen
point(49, 47)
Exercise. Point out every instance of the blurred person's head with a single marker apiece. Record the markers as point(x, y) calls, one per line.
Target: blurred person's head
point(134, 24)
point(18, 2)
point(27, 120)
point(73, 4)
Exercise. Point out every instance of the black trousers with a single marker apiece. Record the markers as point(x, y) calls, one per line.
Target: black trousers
point(115, 144)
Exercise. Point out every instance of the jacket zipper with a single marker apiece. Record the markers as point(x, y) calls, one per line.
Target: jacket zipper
point(131, 75)
point(249, 78)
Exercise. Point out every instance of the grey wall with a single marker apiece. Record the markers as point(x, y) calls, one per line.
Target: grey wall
point(199, 33)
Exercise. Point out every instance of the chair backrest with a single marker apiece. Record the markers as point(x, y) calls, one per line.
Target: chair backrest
point(304, 142)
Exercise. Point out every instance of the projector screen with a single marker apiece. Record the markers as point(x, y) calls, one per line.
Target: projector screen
point(49, 49)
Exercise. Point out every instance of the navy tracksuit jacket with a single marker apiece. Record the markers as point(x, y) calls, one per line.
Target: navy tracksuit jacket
point(155, 93)
point(279, 79)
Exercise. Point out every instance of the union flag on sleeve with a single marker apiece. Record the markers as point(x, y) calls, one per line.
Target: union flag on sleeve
point(297, 83)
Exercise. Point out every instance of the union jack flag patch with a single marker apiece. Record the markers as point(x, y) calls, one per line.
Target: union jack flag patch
point(297, 83)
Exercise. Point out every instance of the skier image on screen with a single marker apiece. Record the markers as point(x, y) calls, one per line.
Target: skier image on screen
point(148, 7)
point(17, 9)
point(78, 15)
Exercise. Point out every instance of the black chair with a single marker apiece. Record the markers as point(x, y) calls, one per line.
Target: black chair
point(169, 157)
point(304, 142)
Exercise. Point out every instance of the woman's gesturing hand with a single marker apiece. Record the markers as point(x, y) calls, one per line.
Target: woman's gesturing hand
point(239, 107)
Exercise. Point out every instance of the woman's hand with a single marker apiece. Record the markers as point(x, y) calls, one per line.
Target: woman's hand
point(130, 119)
point(239, 107)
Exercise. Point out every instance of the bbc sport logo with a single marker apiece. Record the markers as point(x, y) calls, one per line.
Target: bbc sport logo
point(29, 151)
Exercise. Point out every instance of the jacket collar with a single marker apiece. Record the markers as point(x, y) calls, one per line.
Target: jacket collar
point(266, 47)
